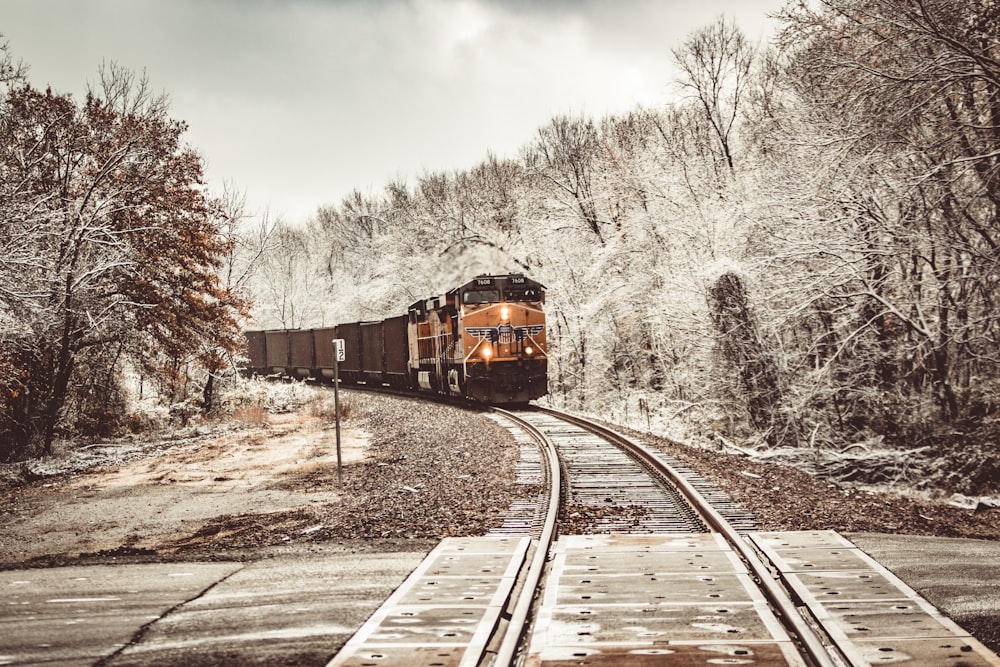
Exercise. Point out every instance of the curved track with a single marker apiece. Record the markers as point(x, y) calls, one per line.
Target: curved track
point(641, 493)
point(627, 558)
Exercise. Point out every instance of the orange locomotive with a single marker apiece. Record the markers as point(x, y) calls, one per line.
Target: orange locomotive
point(484, 340)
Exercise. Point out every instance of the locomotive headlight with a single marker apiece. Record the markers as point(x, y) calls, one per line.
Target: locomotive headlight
point(504, 313)
point(487, 352)
point(529, 350)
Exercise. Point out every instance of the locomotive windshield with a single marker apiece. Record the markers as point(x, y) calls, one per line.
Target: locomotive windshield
point(481, 296)
point(494, 289)
point(523, 294)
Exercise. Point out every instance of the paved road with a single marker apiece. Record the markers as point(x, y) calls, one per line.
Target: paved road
point(959, 577)
point(298, 606)
point(285, 608)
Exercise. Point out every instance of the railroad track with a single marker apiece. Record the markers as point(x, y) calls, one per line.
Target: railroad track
point(629, 558)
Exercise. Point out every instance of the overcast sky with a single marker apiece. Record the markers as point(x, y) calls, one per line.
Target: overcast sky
point(298, 102)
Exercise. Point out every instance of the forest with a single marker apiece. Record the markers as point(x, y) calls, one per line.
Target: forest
point(797, 258)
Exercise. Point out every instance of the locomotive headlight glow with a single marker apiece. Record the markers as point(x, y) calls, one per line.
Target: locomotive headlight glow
point(504, 313)
point(529, 350)
point(487, 352)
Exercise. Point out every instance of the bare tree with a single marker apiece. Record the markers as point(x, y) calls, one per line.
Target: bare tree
point(11, 71)
point(565, 156)
point(250, 235)
point(717, 62)
point(904, 102)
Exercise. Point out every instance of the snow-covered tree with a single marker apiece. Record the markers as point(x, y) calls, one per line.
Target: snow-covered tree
point(903, 102)
point(113, 250)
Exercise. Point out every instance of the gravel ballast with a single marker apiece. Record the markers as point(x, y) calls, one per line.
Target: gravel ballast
point(427, 471)
point(418, 472)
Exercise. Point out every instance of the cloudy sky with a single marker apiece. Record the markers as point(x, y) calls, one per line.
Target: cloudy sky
point(298, 102)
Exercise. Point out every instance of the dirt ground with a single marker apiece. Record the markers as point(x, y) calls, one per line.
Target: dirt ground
point(151, 503)
point(412, 470)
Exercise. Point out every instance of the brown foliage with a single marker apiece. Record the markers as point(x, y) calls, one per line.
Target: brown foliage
point(114, 251)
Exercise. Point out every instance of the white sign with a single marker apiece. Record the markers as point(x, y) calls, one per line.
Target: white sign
point(338, 349)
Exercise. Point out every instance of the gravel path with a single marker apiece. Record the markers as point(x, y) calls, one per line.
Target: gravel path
point(412, 470)
point(418, 471)
point(431, 471)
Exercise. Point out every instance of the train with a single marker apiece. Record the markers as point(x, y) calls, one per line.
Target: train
point(484, 341)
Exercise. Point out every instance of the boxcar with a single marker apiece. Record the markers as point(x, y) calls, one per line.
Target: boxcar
point(351, 367)
point(372, 357)
point(277, 351)
point(256, 352)
point(396, 351)
point(323, 352)
point(302, 359)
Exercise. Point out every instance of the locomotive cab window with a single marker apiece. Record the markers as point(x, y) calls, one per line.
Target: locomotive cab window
point(481, 296)
point(524, 294)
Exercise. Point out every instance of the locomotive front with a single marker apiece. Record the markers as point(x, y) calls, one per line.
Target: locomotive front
point(484, 340)
point(503, 339)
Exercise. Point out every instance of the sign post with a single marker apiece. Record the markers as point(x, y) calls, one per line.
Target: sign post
point(338, 356)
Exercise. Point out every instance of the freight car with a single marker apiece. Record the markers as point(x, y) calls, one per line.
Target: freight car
point(484, 340)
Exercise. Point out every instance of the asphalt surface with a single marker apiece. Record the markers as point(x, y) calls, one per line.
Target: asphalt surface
point(959, 577)
point(290, 606)
point(286, 608)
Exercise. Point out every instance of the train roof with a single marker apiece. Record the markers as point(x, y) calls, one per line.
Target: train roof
point(502, 282)
point(498, 280)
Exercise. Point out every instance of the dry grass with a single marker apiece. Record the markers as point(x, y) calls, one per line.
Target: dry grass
point(252, 415)
point(324, 407)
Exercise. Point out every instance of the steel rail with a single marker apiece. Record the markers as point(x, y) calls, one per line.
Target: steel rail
point(816, 651)
point(522, 608)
